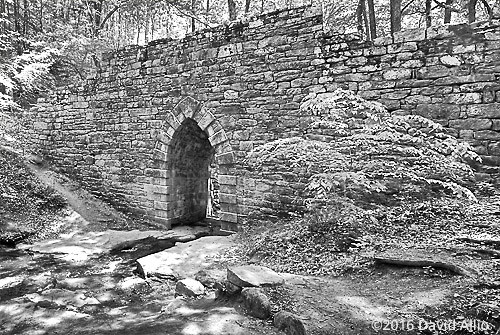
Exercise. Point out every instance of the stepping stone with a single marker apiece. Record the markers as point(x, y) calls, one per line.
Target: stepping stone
point(184, 260)
point(189, 288)
point(422, 258)
point(253, 276)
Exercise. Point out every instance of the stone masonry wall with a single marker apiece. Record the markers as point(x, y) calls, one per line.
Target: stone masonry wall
point(242, 85)
point(449, 74)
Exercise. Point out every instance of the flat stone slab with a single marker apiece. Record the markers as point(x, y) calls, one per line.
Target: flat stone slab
point(253, 276)
point(422, 258)
point(82, 246)
point(171, 263)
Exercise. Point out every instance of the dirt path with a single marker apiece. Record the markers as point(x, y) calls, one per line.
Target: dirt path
point(89, 213)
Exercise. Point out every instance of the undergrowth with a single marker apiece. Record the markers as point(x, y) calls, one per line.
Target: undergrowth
point(26, 204)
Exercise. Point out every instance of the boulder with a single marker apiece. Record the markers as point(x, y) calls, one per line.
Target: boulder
point(189, 287)
point(256, 303)
point(253, 276)
point(289, 323)
point(207, 278)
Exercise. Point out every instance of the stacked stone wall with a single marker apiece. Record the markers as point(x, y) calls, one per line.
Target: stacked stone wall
point(449, 74)
point(242, 84)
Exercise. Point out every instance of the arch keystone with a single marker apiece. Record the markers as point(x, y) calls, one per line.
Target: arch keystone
point(187, 107)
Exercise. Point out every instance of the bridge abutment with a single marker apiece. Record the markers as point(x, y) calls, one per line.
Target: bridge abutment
point(235, 87)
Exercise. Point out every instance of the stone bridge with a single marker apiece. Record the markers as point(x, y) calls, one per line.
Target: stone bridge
point(150, 127)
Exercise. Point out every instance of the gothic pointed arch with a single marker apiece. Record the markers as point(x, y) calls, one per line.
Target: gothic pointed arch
point(190, 140)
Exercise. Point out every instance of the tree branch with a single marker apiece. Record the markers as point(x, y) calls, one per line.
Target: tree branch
point(488, 8)
point(108, 16)
point(190, 15)
point(445, 6)
point(407, 5)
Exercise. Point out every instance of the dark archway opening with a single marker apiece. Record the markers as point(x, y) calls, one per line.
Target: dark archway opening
point(189, 159)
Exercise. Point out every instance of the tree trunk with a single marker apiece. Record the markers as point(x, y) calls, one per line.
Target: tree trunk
point(17, 28)
point(40, 16)
point(447, 11)
point(372, 20)
point(428, 18)
point(395, 15)
point(247, 6)
point(472, 10)
point(98, 16)
point(25, 17)
point(2, 9)
point(193, 22)
point(138, 16)
point(361, 16)
point(232, 9)
point(153, 19)
point(146, 24)
point(8, 24)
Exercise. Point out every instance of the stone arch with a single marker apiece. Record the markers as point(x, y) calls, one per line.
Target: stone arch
point(189, 121)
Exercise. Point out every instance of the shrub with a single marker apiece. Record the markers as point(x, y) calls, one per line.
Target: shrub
point(371, 156)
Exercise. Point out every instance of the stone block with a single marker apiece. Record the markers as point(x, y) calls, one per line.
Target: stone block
point(227, 180)
point(228, 198)
point(226, 158)
point(487, 135)
point(494, 149)
point(450, 61)
point(484, 110)
point(463, 98)
point(230, 217)
point(474, 124)
point(397, 74)
point(218, 138)
point(206, 119)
